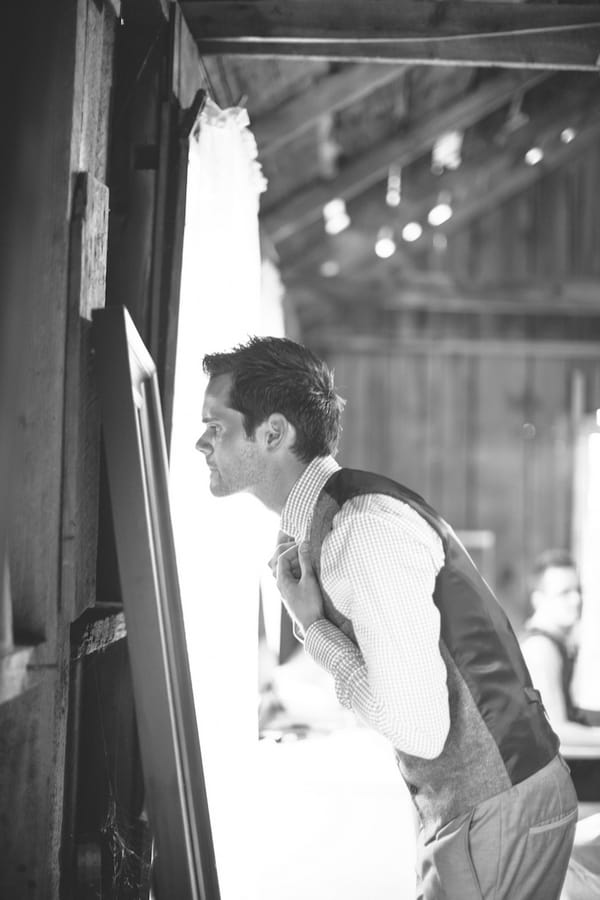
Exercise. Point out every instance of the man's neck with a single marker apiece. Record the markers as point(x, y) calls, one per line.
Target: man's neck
point(276, 489)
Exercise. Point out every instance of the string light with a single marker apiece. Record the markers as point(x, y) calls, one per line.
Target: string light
point(394, 186)
point(534, 156)
point(385, 245)
point(412, 231)
point(336, 216)
point(447, 152)
point(567, 135)
point(329, 268)
point(442, 211)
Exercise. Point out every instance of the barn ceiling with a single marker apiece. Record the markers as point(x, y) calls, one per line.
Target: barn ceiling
point(393, 141)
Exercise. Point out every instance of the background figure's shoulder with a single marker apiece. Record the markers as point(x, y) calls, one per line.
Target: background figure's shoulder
point(541, 651)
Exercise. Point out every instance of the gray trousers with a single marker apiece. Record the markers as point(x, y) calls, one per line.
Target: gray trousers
point(515, 846)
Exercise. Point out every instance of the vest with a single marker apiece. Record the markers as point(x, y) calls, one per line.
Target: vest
point(499, 734)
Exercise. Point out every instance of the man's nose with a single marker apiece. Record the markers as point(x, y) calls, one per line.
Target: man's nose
point(202, 444)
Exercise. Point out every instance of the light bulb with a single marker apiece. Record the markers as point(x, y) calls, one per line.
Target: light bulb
point(439, 214)
point(335, 215)
point(385, 245)
point(329, 268)
point(412, 231)
point(534, 155)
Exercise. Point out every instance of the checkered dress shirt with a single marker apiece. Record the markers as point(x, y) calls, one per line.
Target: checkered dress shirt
point(378, 565)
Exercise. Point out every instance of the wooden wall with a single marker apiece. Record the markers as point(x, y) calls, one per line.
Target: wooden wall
point(59, 226)
point(548, 233)
point(485, 433)
point(81, 126)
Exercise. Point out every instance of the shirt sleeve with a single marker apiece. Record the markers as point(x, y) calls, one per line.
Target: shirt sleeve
point(379, 566)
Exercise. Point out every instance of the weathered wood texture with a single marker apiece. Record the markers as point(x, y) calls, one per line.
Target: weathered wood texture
point(470, 33)
point(485, 437)
point(158, 77)
point(549, 232)
point(341, 89)
point(369, 168)
point(61, 128)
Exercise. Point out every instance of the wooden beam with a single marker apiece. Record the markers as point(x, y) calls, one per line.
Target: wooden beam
point(294, 214)
point(527, 35)
point(331, 93)
point(540, 349)
point(567, 299)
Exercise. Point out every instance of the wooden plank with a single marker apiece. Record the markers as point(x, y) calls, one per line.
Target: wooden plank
point(353, 373)
point(553, 454)
point(471, 33)
point(329, 94)
point(525, 299)
point(89, 243)
point(186, 68)
point(288, 218)
point(501, 474)
point(99, 634)
point(87, 289)
point(456, 440)
point(556, 349)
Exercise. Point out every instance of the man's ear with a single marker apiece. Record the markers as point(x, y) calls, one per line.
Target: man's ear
point(278, 432)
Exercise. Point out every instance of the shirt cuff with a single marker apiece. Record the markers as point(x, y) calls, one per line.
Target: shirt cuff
point(329, 646)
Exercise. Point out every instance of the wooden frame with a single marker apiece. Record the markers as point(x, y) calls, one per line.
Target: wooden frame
point(136, 456)
point(473, 33)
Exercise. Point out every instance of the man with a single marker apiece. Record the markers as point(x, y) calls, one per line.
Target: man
point(550, 642)
point(385, 598)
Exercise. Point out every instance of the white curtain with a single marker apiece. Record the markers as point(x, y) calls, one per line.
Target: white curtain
point(222, 544)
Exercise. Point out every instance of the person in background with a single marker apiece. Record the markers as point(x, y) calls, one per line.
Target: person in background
point(384, 597)
point(549, 644)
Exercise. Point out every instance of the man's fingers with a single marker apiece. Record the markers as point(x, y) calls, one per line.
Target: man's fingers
point(281, 548)
point(288, 566)
point(304, 560)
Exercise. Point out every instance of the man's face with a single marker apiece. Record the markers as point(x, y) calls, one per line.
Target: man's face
point(558, 597)
point(234, 460)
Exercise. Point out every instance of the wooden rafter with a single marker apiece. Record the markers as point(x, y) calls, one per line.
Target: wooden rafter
point(475, 32)
point(475, 187)
point(484, 175)
point(305, 208)
point(334, 92)
point(413, 292)
point(523, 177)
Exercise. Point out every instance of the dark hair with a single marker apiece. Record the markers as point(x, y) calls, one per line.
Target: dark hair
point(277, 375)
point(550, 559)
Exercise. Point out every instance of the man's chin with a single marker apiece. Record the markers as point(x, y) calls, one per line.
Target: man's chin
point(217, 488)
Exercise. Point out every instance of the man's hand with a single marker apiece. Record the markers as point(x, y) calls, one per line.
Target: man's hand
point(298, 584)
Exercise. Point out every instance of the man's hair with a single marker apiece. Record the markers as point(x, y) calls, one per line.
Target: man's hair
point(277, 375)
point(550, 559)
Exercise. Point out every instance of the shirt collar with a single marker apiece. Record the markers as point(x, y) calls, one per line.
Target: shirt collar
point(297, 512)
